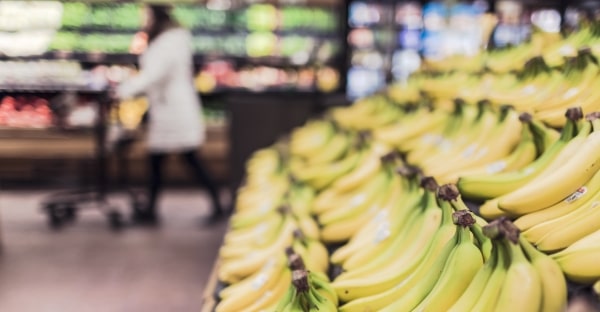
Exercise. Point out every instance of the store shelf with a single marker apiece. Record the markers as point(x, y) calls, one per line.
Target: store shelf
point(48, 89)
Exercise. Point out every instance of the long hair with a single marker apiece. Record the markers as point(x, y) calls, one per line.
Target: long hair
point(161, 20)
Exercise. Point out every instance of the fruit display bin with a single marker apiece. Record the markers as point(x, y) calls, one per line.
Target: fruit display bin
point(499, 196)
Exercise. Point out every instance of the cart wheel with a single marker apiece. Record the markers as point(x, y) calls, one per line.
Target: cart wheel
point(115, 219)
point(55, 219)
point(70, 213)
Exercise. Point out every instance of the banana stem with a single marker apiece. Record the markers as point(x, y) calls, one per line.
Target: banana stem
point(515, 251)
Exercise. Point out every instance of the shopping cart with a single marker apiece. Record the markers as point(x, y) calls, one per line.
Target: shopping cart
point(62, 207)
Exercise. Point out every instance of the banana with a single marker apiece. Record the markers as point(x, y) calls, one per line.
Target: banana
point(308, 226)
point(430, 233)
point(433, 262)
point(258, 281)
point(369, 197)
point(566, 235)
point(368, 168)
point(381, 229)
point(549, 189)
point(522, 287)
point(234, 269)
point(363, 257)
point(554, 286)
point(396, 134)
point(489, 296)
point(570, 204)
point(285, 301)
point(310, 138)
point(596, 288)
point(454, 136)
point(581, 265)
point(412, 297)
point(321, 176)
point(483, 151)
point(260, 235)
point(538, 232)
point(490, 211)
point(256, 298)
point(492, 186)
point(544, 136)
point(524, 154)
point(483, 126)
point(459, 270)
point(476, 287)
point(323, 286)
point(345, 227)
point(337, 146)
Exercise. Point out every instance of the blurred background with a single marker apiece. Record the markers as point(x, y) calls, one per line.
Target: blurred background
point(261, 68)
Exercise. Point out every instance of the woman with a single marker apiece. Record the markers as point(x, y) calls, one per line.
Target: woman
point(175, 125)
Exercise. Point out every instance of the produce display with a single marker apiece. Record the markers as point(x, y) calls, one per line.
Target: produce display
point(25, 112)
point(513, 226)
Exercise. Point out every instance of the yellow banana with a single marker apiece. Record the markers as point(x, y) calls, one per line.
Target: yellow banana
point(558, 184)
point(396, 134)
point(321, 176)
point(477, 288)
point(237, 268)
point(572, 203)
point(459, 270)
point(569, 233)
point(369, 197)
point(433, 262)
point(256, 298)
point(491, 186)
point(420, 289)
point(336, 148)
point(580, 265)
point(367, 169)
point(554, 286)
point(380, 229)
point(522, 287)
point(310, 138)
point(383, 238)
point(402, 266)
point(489, 296)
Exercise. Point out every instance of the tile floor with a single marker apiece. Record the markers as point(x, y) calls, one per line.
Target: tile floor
point(85, 267)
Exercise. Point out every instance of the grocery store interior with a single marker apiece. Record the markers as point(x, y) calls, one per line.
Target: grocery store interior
point(299, 155)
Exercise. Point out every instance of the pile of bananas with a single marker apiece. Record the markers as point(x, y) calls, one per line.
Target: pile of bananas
point(354, 195)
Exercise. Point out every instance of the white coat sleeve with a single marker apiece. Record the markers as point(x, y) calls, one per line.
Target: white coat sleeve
point(155, 70)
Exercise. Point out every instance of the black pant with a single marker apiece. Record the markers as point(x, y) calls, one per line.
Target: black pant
point(191, 160)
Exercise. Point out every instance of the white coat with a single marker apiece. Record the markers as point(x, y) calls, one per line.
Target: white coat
point(166, 78)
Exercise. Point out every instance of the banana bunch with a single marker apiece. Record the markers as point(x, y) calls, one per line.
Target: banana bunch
point(578, 261)
point(377, 234)
point(267, 288)
point(495, 187)
point(444, 86)
point(308, 291)
point(471, 64)
point(354, 197)
point(574, 167)
point(556, 54)
point(328, 161)
point(270, 213)
point(367, 113)
point(510, 59)
point(412, 128)
point(474, 150)
point(582, 75)
point(259, 290)
point(399, 277)
point(519, 278)
point(404, 92)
